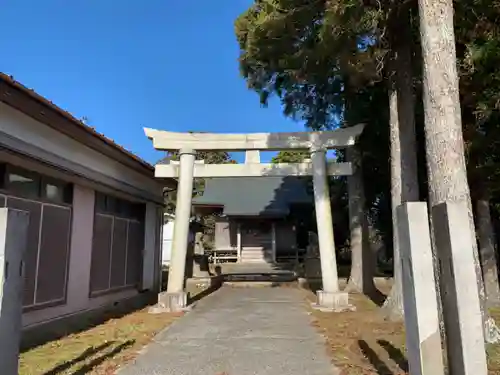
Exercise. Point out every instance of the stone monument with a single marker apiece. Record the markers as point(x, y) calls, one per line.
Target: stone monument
point(423, 339)
point(312, 262)
point(13, 234)
point(461, 303)
point(200, 260)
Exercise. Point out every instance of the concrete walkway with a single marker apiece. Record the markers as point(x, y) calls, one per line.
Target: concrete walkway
point(239, 331)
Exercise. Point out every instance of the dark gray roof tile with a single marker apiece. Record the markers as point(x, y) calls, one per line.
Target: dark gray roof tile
point(254, 196)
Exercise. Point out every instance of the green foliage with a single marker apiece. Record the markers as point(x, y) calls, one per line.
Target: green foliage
point(290, 157)
point(478, 51)
point(301, 50)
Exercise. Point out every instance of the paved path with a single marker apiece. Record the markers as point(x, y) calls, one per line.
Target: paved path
point(239, 331)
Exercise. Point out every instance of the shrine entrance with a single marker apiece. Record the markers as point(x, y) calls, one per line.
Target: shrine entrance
point(263, 246)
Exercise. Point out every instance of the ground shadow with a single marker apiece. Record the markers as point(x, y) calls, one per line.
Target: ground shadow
point(376, 296)
point(82, 322)
point(261, 277)
point(82, 357)
point(374, 359)
point(215, 284)
point(395, 354)
point(99, 360)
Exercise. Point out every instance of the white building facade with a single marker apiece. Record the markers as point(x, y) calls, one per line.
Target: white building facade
point(95, 209)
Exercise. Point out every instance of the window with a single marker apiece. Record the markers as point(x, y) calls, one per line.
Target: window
point(23, 183)
point(27, 184)
point(100, 202)
point(3, 170)
point(107, 204)
point(57, 191)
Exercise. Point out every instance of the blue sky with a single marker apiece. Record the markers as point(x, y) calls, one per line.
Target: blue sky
point(131, 64)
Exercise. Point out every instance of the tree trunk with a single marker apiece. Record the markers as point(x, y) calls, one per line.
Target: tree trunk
point(362, 267)
point(487, 251)
point(404, 173)
point(445, 156)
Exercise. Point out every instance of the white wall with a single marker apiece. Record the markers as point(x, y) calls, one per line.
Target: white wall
point(168, 235)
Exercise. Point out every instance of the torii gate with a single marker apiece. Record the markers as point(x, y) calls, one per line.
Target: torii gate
point(330, 297)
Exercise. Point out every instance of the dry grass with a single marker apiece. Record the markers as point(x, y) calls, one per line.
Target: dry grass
point(493, 351)
point(98, 350)
point(364, 343)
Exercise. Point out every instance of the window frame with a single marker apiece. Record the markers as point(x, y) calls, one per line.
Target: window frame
point(12, 170)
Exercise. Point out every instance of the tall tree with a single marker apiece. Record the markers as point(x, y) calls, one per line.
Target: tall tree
point(478, 50)
point(445, 153)
point(362, 265)
point(404, 168)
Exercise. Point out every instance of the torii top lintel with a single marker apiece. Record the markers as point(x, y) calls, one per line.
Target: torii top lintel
point(339, 138)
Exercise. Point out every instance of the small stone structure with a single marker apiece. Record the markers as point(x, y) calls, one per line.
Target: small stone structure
point(200, 260)
point(312, 262)
point(330, 298)
point(13, 240)
point(461, 304)
point(423, 339)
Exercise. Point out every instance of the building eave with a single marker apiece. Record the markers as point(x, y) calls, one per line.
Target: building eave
point(27, 101)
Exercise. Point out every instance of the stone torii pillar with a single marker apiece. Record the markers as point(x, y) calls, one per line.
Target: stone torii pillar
point(330, 298)
point(175, 299)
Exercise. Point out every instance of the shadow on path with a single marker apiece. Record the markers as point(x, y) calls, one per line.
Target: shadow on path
point(86, 368)
point(395, 354)
point(374, 359)
point(377, 297)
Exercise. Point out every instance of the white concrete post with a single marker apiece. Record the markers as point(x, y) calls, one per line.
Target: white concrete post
point(273, 229)
point(461, 304)
point(423, 339)
point(175, 298)
point(238, 241)
point(329, 298)
point(13, 234)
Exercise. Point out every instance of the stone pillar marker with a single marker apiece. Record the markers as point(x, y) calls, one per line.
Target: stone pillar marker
point(461, 304)
point(423, 339)
point(200, 260)
point(13, 234)
point(175, 299)
point(330, 298)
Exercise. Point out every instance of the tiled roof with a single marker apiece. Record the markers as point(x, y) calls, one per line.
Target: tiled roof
point(254, 196)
